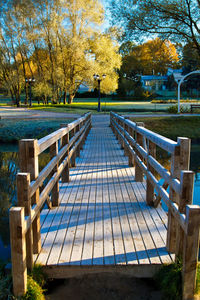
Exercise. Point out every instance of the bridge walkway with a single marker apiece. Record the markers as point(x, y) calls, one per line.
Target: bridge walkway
point(103, 222)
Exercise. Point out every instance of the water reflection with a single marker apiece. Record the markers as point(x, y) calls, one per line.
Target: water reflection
point(8, 170)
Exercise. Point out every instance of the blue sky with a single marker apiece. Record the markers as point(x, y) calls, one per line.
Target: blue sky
point(105, 3)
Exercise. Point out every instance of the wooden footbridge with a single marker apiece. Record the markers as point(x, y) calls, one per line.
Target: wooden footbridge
point(93, 209)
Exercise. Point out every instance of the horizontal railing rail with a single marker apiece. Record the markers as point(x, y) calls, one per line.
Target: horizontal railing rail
point(140, 145)
point(65, 145)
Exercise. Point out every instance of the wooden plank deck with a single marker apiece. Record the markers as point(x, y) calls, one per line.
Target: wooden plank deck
point(103, 222)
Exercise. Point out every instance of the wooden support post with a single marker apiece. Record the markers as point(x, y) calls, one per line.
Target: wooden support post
point(65, 173)
point(190, 251)
point(138, 171)
point(131, 157)
point(78, 147)
point(73, 159)
point(83, 140)
point(55, 190)
point(180, 161)
point(113, 126)
point(122, 132)
point(24, 200)
point(116, 133)
point(126, 151)
point(28, 162)
point(186, 198)
point(150, 188)
point(18, 251)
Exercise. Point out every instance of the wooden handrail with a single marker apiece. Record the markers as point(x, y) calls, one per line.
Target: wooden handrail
point(53, 179)
point(49, 167)
point(50, 139)
point(140, 144)
point(156, 138)
point(30, 200)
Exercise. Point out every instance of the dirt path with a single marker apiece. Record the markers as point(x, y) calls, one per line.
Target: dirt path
point(14, 112)
point(104, 287)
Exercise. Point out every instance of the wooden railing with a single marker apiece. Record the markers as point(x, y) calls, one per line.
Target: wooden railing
point(64, 145)
point(140, 144)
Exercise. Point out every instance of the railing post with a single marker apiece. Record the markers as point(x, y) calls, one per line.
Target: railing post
point(73, 159)
point(65, 141)
point(190, 251)
point(115, 131)
point(180, 161)
point(28, 162)
point(186, 198)
point(126, 150)
point(24, 200)
point(131, 157)
point(139, 140)
point(121, 131)
point(78, 147)
point(55, 190)
point(18, 250)
point(82, 124)
point(111, 121)
point(150, 188)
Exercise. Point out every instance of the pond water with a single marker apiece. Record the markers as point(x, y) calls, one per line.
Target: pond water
point(8, 170)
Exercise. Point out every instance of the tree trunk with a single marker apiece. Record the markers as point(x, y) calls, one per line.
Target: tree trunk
point(71, 98)
point(12, 96)
point(65, 97)
point(18, 99)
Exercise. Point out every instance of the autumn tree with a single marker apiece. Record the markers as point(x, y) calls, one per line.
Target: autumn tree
point(57, 42)
point(106, 61)
point(15, 48)
point(151, 58)
point(174, 19)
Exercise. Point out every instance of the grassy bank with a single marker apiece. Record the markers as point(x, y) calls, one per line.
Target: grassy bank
point(15, 129)
point(173, 127)
point(107, 105)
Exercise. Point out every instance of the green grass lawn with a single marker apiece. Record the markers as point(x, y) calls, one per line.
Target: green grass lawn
point(83, 105)
point(173, 127)
point(12, 130)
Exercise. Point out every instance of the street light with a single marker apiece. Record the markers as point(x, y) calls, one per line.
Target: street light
point(30, 81)
point(179, 82)
point(99, 79)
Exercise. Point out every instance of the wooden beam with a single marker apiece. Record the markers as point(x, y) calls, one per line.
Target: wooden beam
point(55, 189)
point(150, 188)
point(28, 162)
point(190, 251)
point(24, 200)
point(18, 251)
point(65, 174)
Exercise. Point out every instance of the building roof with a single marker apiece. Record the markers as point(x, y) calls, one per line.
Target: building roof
point(153, 77)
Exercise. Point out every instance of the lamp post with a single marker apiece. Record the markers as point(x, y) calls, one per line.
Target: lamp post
point(179, 82)
point(99, 79)
point(30, 81)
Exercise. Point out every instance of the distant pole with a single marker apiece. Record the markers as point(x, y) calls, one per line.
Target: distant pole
point(30, 81)
point(99, 79)
point(179, 87)
point(30, 94)
point(99, 98)
point(179, 95)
